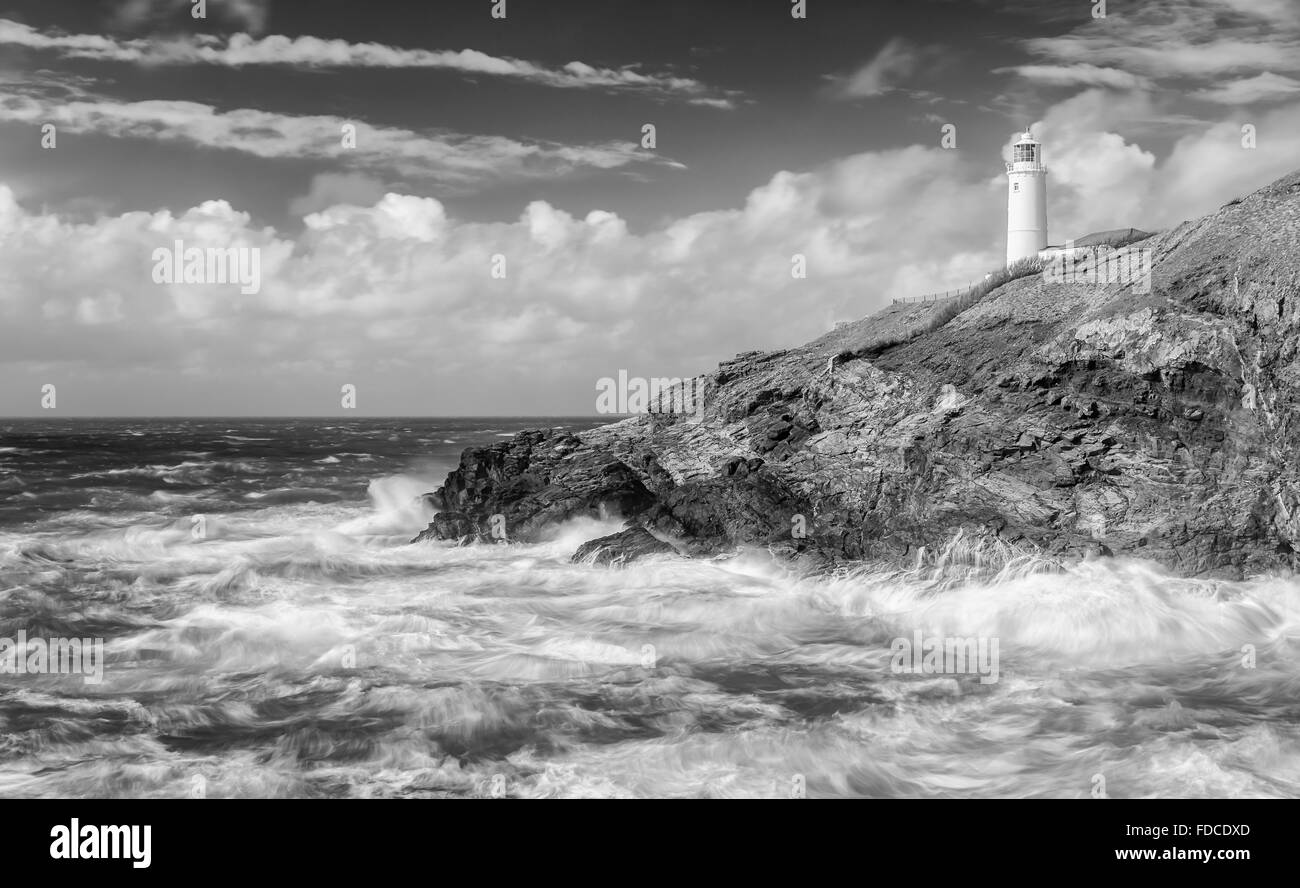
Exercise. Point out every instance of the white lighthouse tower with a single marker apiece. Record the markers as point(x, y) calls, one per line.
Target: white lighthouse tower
point(1026, 199)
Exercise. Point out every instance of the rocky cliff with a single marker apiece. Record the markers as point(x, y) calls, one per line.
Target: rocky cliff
point(1056, 418)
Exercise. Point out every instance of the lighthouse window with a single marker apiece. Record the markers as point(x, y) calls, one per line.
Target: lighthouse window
point(1015, 186)
point(1023, 153)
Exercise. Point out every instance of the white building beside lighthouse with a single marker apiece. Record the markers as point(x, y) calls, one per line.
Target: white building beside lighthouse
point(1026, 200)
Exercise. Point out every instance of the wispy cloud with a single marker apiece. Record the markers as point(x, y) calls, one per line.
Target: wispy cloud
point(896, 61)
point(249, 15)
point(447, 157)
point(1203, 40)
point(1266, 87)
point(1078, 75)
point(307, 52)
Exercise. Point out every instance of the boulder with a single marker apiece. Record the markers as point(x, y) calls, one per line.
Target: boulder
point(622, 547)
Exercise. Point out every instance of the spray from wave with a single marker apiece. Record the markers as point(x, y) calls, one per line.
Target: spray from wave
point(399, 507)
point(304, 648)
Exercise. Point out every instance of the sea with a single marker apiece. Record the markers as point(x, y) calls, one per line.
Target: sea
point(266, 628)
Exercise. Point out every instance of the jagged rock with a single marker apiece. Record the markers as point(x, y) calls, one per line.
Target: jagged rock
point(454, 526)
point(622, 548)
point(1065, 418)
point(536, 479)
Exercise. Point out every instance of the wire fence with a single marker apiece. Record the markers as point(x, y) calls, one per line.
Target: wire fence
point(934, 297)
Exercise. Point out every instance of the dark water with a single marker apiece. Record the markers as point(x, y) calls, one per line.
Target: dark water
point(268, 631)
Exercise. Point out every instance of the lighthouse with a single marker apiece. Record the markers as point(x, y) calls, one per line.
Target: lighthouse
point(1026, 200)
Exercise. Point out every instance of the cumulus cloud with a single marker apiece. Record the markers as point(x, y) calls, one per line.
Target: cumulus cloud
point(397, 295)
point(447, 157)
point(330, 189)
point(1099, 179)
point(400, 284)
point(308, 52)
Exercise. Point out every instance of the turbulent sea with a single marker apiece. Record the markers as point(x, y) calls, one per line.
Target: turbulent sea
point(268, 631)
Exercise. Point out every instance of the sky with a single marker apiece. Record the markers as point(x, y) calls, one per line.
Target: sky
point(457, 213)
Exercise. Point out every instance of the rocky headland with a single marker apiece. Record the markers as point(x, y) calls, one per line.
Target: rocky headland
point(1062, 419)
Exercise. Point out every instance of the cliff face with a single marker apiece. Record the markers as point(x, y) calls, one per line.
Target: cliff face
point(1061, 418)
